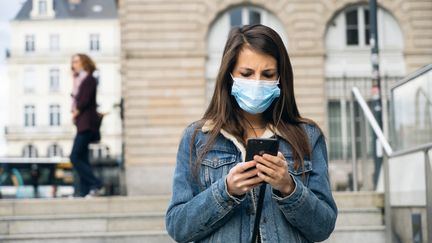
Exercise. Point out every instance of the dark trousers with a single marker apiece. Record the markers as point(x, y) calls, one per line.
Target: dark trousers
point(80, 160)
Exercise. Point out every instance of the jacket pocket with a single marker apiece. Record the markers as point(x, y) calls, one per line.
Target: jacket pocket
point(216, 164)
point(303, 172)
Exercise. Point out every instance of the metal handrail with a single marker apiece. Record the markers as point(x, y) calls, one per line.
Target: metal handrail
point(388, 150)
point(423, 147)
point(391, 154)
point(372, 121)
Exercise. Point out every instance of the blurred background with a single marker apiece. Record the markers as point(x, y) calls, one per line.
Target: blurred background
point(157, 63)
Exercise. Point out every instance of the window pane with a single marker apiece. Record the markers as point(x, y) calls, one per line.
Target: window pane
point(352, 37)
point(54, 115)
point(29, 43)
point(351, 17)
point(351, 27)
point(42, 7)
point(54, 80)
point(94, 42)
point(236, 17)
point(29, 116)
point(335, 130)
point(367, 28)
point(254, 17)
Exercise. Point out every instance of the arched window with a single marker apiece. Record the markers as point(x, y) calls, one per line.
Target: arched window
point(54, 150)
point(348, 64)
point(218, 34)
point(29, 151)
point(99, 151)
point(347, 43)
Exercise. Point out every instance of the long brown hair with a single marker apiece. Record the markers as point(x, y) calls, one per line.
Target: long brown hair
point(87, 63)
point(283, 113)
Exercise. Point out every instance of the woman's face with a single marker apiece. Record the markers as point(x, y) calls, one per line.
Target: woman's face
point(255, 66)
point(76, 64)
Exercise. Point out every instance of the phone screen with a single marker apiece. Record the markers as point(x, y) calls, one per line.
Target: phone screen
point(260, 146)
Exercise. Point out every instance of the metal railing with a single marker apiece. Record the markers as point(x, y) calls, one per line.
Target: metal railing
point(390, 154)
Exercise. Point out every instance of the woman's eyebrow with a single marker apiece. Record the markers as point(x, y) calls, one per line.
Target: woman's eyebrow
point(269, 70)
point(246, 69)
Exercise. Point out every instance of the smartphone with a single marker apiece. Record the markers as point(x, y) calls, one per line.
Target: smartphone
point(260, 146)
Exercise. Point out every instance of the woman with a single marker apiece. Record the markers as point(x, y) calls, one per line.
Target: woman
point(214, 192)
point(87, 121)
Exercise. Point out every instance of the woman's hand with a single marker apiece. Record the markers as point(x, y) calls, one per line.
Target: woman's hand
point(240, 181)
point(274, 170)
point(75, 113)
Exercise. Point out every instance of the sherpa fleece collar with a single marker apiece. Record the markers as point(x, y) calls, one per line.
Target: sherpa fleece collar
point(268, 133)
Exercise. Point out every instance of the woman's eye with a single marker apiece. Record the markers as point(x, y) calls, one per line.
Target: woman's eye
point(269, 75)
point(245, 74)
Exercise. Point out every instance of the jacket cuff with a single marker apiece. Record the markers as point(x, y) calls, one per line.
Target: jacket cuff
point(239, 199)
point(221, 195)
point(295, 199)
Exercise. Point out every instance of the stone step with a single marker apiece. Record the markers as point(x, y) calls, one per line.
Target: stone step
point(361, 199)
point(141, 219)
point(16, 225)
point(359, 217)
point(100, 205)
point(145, 204)
point(94, 237)
point(113, 222)
point(357, 234)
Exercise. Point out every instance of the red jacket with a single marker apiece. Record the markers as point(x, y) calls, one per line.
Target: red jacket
point(88, 118)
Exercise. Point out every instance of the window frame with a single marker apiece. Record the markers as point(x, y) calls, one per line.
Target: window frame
point(30, 151)
point(55, 115)
point(29, 116)
point(54, 80)
point(362, 27)
point(54, 150)
point(30, 45)
point(43, 3)
point(94, 41)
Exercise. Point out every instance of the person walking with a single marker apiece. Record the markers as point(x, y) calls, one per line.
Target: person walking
point(87, 121)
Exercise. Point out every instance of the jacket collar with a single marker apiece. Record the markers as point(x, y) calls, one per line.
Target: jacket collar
point(268, 133)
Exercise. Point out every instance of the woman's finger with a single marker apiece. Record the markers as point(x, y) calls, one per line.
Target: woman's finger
point(241, 167)
point(280, 155)
point(262, 160)
point(252, 182)
point(266, 170)
point(274, 159)
point(266, 178)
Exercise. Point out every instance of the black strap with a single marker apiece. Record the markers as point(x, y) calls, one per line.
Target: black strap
point(260, 203)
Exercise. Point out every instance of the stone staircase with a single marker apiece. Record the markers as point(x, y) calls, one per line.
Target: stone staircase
point(360, 218)
point(141, 219)
point(109, 219)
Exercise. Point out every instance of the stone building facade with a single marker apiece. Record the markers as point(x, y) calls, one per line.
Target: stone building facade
point(167, 48)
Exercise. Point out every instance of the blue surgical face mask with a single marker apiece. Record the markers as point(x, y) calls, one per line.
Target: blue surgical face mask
point(254, 96)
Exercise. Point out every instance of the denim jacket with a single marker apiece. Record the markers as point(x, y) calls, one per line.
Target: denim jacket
point(202, 210)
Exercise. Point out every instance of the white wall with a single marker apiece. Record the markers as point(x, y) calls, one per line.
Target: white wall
point(74, 37)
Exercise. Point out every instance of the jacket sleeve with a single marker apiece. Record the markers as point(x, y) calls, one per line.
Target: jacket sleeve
point(86, 90)
point(191, 217)
point(312, 209)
